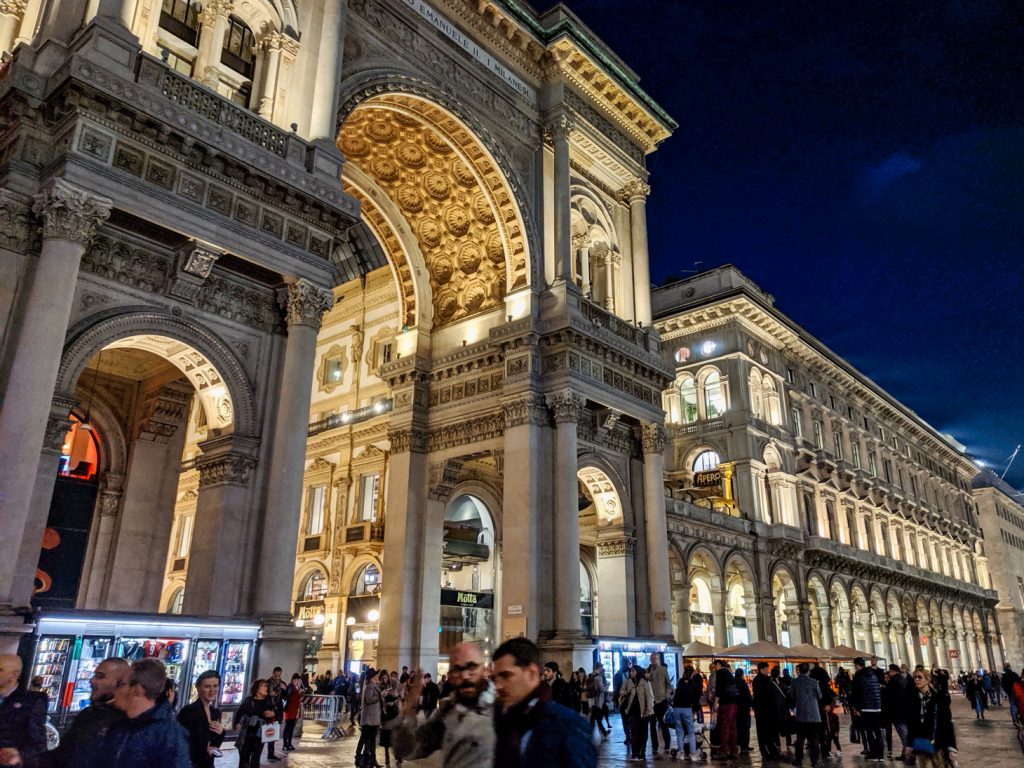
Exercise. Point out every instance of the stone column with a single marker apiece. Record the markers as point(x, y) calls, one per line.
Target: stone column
point(70, 216)
point(271, 47)
point(989, 655)
point(216, 564)
point(658, 581)
point(97, 563)
point(581, 247)
point(683, 618)
point(610, 260)
point(214, 25)
point(120, 11)
point(527, 543)
point(885, 628)
point(635, 196)
point(794, 620)
point(718, 598)
point(846, 619)
point(305, 304)
point(401, 606)
point(567, 407)
point(558, 131)
point(827, 638)
point(323, 124)
point(915, 654)
point(615, 580)
point(901, 645)
point(11, 13)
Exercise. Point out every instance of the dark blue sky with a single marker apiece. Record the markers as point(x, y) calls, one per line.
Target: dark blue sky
point(864, 163)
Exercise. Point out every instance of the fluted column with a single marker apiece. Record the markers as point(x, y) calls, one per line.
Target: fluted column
point(70, 216)
point(271, 46)
point(567, 407)
point(304, 304)
point(213, 585)
point(635, 196)
point(658, 582)
point(214, 25)
point(558, 131)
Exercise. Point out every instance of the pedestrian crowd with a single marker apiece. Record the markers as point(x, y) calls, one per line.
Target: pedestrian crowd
point(514, 712)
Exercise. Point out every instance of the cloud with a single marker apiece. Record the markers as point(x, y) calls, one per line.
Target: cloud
point(880, 177)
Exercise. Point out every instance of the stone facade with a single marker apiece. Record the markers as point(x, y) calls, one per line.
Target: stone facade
point(808, 505)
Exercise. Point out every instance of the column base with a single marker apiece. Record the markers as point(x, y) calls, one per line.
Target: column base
point(106, 41)
point(282, 645)
point(14, 627)
point(571, 650)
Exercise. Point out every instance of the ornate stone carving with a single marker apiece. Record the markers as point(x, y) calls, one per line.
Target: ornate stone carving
point(70, 213)
point(467, 431)
point(531, 409)
point(227, 469)
point(15, 8)
point(567, 405)
point(408, 439)
point(192, 267)
point(18, 231)
point(616, 547)
point(56, 428)
point(653, 438)
point(634, 190)
point(559, 129)
point(304, 303)
point(163, 413)
point(444, 476)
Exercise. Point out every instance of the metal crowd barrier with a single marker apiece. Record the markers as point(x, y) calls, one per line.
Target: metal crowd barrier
point(326, 710)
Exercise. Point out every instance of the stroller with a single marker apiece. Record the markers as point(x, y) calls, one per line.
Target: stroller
point(701, 734)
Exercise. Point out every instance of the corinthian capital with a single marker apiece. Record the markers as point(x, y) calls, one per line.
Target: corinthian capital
point(635, 190)
point(304, 302)
point(227, 469)
point(567, 405)
point(70, 213)
point(559, 128)
point(653, 438)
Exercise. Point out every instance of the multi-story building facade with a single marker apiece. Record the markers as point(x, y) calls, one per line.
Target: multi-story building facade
point(334, 312)
point(1001, 517)
point(811, 505)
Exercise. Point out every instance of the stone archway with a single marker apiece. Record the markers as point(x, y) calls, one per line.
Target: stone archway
point(602, 526)
point(787, 607)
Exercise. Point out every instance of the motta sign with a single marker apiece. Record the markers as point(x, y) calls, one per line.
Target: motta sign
point(461, 599)
point(306, 611)
point(708, 479)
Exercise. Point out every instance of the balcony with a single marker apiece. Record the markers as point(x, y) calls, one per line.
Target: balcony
point(697, 428)
point(364, 533)
point(602, 318)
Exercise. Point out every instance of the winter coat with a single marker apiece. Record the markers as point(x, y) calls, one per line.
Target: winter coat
point(806, 695)
point(933, 720)
point(81, 737)
point(866, 695)
point(463, 735)
point(660, 682)
point(197, 729)
point(370, 710)
point(535, 733)
point(769, 700)
point(639, 690)
point(23, 723)
point(687, 694)
point(152, 740)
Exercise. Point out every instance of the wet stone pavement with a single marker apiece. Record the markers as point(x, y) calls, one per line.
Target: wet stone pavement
point(991, 743)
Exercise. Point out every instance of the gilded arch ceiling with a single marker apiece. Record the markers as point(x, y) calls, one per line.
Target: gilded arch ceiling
point(456, 201)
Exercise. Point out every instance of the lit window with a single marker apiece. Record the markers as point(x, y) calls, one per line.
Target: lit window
point(706, 461)
point(177, 601)
point(333, 367)
point(369, 491)
point(819, 440)
point(181, 19)
point(316, 501)
point(837, 441)
point(367, 581)
point(714, 397)
point(855, 450)
point(315, 587)
point(688, 398)
point(184, 535)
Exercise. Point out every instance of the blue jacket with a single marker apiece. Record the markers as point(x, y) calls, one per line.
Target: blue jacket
point(867, 692)
point(154, 739)
point(537, 734)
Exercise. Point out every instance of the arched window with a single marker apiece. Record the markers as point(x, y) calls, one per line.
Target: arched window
point(772, 403)
point(714, 395)
point(706, 461)
point(756, 395)
point(315, 586)
point(239, 54)
point(181, 19)
point(367, 581)
point(688, 399)
point(586, 601)
point(177, 600)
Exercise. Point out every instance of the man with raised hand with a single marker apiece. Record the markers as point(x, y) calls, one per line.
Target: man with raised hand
point(462, 727)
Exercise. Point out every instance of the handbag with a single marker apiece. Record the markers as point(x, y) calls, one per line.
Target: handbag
point(854, 734)
point(269, 732)
point(670, 717)
point(923, 746)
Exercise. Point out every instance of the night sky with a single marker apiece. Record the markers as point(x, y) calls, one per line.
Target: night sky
point(863, 163)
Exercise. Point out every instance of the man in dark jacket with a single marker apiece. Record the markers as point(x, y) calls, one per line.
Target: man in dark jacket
point(553, 687)
point(88, 726)
point(531, 732)
point(430, 697)
point(201, 721)
point(148, 736)
point(769, 704)
point(22, 717)
point(1007, 682)
point(866, 703)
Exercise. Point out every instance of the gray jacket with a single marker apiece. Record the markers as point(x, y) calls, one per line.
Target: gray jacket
point(661, 684)
point(372, 703)
point(464, 736)
point(806, 694)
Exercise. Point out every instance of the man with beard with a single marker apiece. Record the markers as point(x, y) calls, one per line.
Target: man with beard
point(553, 687)
point(461, 729)
point(532, 732)
point(91, 723)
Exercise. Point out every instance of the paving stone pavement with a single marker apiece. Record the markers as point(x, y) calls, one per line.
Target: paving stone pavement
point(991, 743)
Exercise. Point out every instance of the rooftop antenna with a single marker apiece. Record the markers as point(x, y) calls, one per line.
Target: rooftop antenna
point(1012, 457)
point(694, 271)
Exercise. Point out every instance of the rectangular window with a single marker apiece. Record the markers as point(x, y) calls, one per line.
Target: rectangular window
point(913, 485)
point(837, 440)
point(316, 500)
point(867, 424)
point(369, 491)
point(899, 479)
point(790, 375)
point(855, 450)
point(332, 370)
point(887, 469)
point(798, 428)
point(849, 413)
point(819, 441)
point(813, 389)
point(832, 402)
point(872, 465)
point(184, 536)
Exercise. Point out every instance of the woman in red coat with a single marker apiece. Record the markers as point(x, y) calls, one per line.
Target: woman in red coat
point(292, 708)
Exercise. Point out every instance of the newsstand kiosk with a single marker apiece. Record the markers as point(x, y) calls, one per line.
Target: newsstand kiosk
point(67, 647)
